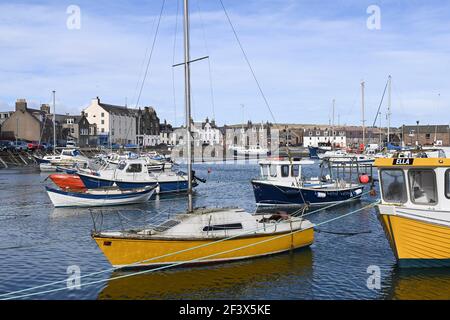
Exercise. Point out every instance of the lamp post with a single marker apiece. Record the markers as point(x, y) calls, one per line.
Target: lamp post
point(417, 133)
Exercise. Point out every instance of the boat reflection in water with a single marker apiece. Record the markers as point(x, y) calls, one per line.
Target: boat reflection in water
point(229, 280)
point(420, 284)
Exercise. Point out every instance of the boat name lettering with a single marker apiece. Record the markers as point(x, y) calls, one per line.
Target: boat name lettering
point(403, 161)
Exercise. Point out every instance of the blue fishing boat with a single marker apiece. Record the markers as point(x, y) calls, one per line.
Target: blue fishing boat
point(281, 183)
point(132, 174)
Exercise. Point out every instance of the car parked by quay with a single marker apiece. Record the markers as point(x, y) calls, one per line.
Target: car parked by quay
point(20, 145)
point(6, 145)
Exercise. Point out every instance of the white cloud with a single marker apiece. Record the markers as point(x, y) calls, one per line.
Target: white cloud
point(302, 62)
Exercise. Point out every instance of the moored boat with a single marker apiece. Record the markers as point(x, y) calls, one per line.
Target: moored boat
point(281, 183)
point(415, 209)
point(135, 174)
point(99, 197)
point(205, 236)
point(68, 181)
point(68, 158)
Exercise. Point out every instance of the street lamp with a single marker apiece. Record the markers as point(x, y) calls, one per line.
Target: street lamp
point(417, 133)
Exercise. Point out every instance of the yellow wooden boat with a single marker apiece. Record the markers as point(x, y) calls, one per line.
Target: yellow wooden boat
point(415, 209)
point(205, 236)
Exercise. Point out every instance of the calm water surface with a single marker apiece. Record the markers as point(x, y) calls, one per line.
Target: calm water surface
point(38, 243)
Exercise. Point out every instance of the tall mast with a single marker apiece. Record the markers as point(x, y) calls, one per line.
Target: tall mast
point(187, 101)
point(54, 122)
point(363, 121)
point(389, 110)
point(332, 128)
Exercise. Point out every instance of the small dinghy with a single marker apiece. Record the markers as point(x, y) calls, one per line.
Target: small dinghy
point(99, 197)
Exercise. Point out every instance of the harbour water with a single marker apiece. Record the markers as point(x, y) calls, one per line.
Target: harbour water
point(38, 243)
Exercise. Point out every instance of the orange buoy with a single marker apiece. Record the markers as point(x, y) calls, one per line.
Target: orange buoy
point(364, 178)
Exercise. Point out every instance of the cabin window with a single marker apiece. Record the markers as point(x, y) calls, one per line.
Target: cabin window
point(447, 183)
point(265, 171)
point(422, 185)
point(285, 171)
point(295, 170)
point(134, 167)
point(218, 227)
point(393, 186)
point(121, 165)
point(273, 171)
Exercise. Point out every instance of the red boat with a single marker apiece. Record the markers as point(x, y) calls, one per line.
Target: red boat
point(68, 181)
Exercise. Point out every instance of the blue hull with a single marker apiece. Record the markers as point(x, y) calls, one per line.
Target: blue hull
point(276, 195)
point(164, 187)
point(94, 182)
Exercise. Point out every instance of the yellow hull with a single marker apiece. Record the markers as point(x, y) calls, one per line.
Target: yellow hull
point(417, 243)
point(125, 252)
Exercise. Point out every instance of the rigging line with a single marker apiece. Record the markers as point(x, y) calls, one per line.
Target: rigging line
point(209, 59)
point(248, 61)
point(182, 262)
point(151, 52)
point(142, 68)
point(381, 102)
point(130, 124)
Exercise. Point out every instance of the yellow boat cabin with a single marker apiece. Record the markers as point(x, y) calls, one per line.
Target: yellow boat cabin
point(415, 209)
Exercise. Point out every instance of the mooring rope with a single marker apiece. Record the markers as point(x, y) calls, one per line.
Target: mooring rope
point(7, 296)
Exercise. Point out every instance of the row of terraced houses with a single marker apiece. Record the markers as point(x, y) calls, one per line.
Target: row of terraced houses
point(106, 124)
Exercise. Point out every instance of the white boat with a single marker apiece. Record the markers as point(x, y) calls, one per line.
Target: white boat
point(249, 150)
point(68, 158)
point(99, 197)
point(132, 174)
point(341, 158)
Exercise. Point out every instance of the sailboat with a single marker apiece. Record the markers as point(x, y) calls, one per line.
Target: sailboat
point(204, 235)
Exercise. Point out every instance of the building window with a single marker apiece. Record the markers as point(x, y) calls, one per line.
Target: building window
point(103, 129)
point(103, 114)
point(427, 136)
point(422, 185)
point(393, 187)
point(103, 121)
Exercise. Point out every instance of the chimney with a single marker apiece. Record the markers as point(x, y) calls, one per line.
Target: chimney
point(45, 108)
point(21, 105)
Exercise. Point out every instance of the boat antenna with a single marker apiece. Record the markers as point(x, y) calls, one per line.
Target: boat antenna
point(187, 101)
point(54, 122)
point(389, 111)
point(362, 113)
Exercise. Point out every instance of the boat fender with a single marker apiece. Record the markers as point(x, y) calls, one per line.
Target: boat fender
point(358, 191)
point(364, 179)
point(158, 189)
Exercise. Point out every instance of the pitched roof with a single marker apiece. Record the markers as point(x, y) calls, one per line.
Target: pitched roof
point(427, 128)
point(119, 110)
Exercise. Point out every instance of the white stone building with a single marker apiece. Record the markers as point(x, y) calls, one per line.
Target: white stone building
point(315, 137)
point(206, 133)
point(115, 124)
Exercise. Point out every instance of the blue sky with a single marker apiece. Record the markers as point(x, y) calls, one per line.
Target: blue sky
point(305, 53)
